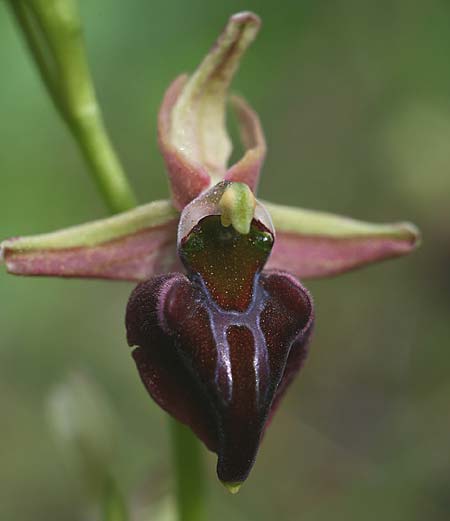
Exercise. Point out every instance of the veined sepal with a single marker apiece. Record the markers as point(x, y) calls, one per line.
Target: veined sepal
point(313, 244)
point(133, 245)
point(191, 127)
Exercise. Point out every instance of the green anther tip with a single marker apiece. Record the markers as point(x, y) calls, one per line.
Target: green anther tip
point(237, 205)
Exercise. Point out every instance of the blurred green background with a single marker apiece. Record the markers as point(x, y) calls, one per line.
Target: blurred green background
point(354, 96)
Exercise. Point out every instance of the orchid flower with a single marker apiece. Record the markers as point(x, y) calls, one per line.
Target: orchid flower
point(219, 322)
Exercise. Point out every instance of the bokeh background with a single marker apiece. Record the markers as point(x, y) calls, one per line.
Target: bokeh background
point(354, 96)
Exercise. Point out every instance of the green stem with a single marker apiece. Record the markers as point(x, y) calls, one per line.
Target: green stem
point(189, 474)
point(53, 32)
point(89, 131)
point(36, 45)
point(114, 507)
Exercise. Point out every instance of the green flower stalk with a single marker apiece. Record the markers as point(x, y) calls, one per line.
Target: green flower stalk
point(53, 32)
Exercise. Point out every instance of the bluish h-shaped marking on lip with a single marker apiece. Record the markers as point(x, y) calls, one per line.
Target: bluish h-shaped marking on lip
point(221, 320)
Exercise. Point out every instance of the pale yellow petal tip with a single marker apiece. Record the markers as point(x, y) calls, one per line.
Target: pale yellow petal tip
point(246, 17)
point(406, 232)
point(232, 486)
point(414, 233)
point(4, 245)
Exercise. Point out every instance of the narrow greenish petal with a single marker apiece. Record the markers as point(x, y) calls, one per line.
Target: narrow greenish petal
point(248, 168)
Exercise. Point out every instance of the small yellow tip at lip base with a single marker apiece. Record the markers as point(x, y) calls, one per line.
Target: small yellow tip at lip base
point(232, 486)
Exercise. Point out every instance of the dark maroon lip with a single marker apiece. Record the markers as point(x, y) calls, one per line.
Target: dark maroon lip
point(217, 348)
